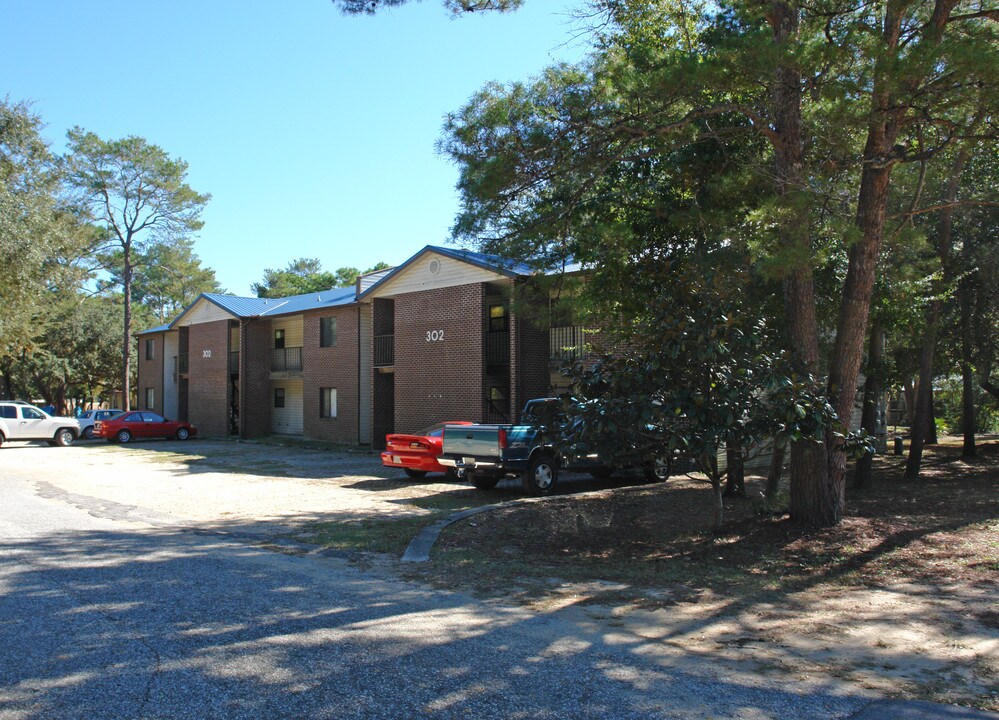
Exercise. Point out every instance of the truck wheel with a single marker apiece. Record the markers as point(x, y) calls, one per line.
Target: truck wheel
point(483, 482)
point(415, 474)
point(64, 437)
point(88, 432)
point(660, 471)
point(2, 438)
point(541, 475)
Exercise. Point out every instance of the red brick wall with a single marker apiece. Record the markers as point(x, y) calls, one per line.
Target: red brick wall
point(255, 339)
point(439, 379)
point(331, 367)
point(208, 383)
point(150, 373)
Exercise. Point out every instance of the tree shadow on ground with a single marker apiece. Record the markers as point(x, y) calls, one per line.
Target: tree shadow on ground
point(917, 553)
point(178, 624)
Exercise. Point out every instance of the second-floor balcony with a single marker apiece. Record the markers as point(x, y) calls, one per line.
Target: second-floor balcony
point(567, 343)
point(384, 350)
point(287, 359)
point(497, 347)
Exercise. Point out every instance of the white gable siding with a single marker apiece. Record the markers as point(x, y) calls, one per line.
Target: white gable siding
point(450, 273)
point(170, 391)
point(289, 420)
point(204, 312)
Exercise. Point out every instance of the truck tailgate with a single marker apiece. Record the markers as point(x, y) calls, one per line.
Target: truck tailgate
point(472, 440)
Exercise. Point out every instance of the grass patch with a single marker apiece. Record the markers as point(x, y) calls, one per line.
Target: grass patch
point(378, 536)
point(939, 530)
point(391, 535)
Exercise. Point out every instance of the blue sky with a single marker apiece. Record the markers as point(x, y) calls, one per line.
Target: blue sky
point(314, 132)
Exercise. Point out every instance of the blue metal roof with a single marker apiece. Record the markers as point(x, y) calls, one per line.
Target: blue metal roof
point(251, 307)
point(157, 329)
point(310, 301)
point(500, 264)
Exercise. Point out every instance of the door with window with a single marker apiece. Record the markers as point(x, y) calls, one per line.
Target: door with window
point(287, 408)
point(30, 424)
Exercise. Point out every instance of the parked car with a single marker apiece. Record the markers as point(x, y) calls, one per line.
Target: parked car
point(89, 417)
point(19, 421)
point(417, 453)
point(142, 424)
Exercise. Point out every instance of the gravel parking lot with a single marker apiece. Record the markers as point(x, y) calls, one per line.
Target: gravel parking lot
point(235, 486)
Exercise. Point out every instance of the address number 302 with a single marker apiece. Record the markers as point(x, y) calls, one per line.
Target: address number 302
point(435, 335)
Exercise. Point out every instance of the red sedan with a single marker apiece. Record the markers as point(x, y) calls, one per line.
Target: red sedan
point(142, 424)
point(417, 454)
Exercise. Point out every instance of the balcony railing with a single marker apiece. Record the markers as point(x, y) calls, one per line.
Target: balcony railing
point(497, 347)
point(567, 343)
point(234, 363)
point(286, 359)
point(384, 350)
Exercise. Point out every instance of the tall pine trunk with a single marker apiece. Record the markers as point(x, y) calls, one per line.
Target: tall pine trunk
point(968, 420)
point(922, 430)
point(126, 347)
point(924, 395)
point(969, 423)
point(775, 472)
point(872, 392)
point(810, 500)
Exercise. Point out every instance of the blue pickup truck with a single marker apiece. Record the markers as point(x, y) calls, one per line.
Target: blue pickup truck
point(486, 453)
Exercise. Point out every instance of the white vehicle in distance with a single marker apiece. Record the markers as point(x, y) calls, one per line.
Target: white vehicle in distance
point(89, 417)
point(26, 422)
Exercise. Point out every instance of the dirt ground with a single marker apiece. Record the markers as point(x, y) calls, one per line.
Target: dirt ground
point(901, 598)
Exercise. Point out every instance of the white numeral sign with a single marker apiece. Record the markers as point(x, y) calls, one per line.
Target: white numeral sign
point(435, 335)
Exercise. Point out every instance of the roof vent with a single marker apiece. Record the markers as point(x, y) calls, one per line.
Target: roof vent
point(435, 266)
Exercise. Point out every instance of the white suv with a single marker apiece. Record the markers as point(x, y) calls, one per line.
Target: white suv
point(26, 422)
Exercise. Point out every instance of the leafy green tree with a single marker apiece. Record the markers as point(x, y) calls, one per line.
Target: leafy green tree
point(306, 275)
point(75, 351)
point(698, 370)
point(91, 341)
point(35, 232)
point(142, 195)
point(839, 93)
point(169, 276)
point(455, 6)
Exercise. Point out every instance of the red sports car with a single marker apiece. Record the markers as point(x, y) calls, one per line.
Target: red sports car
point(142, 424)
point(417, 453)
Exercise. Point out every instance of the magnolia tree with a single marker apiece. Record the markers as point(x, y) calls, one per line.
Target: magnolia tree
point(696, 372)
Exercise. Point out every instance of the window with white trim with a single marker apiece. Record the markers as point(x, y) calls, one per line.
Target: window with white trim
point(327, 402)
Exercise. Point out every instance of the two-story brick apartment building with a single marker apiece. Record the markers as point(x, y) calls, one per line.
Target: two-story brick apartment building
point(433, 339)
